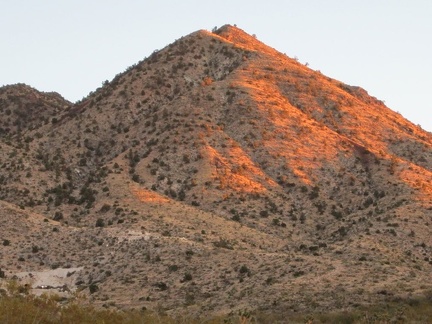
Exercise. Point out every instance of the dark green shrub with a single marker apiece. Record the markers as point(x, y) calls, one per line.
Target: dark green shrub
point(105, 208)
point(58, 216)
point(187, 277)
point(244, 270)
point(100, 222)
point(161, 286)
point(173, 268)
point(264, 213)
point(93, 288)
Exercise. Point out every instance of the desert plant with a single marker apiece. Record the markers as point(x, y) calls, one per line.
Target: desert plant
point(187, 277)
point(100, 222)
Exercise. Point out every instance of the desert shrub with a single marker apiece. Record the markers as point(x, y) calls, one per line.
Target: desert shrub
point(302, 218)
point(236, 218)
point(189, 252)
point(93, 288)
point(136, 178)
point(187, 277)
point(298, 273)
point(105, 208)
point(181, 195)
point(223, 243)
point(87, 195)
point(336, 214)
point(100, 222)
point(244, 270)
point(58, 216)
point(368, 202)
point(342, 231)
point(314, 193)
point(264, 213)
point(161, 286)
point(173, 268)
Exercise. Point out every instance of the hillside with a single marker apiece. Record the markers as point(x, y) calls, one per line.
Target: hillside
point(217, 175)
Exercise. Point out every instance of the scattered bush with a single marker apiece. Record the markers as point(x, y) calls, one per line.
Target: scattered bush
point(93, 288)
point(187, 277)
point(58, 216)
point(244, 270)
point(100, 222)
point(105, 208)
point(161, 286)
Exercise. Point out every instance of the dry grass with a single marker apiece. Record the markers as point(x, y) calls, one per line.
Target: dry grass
point(17, 306)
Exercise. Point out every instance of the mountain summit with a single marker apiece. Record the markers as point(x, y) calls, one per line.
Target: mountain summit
point(218, 175)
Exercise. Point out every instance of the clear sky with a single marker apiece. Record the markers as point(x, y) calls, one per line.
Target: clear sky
point(72, 46)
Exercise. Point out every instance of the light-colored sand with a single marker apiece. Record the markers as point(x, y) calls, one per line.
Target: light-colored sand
point(58, 280)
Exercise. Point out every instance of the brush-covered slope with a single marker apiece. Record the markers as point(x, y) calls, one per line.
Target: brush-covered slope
point(221, 174)
point(23, 108)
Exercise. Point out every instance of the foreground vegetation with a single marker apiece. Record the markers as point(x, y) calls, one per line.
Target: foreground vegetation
point(18, 306)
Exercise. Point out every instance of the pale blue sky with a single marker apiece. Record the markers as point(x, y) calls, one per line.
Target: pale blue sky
point(71, 47)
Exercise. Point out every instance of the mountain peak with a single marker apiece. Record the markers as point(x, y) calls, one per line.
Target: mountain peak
point(228, 29)
point(241, 38)
point(235, 34)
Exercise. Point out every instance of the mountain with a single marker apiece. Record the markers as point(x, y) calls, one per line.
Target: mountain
point(217, 175)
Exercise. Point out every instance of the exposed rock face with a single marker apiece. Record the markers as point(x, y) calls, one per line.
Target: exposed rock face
point(218, 174)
